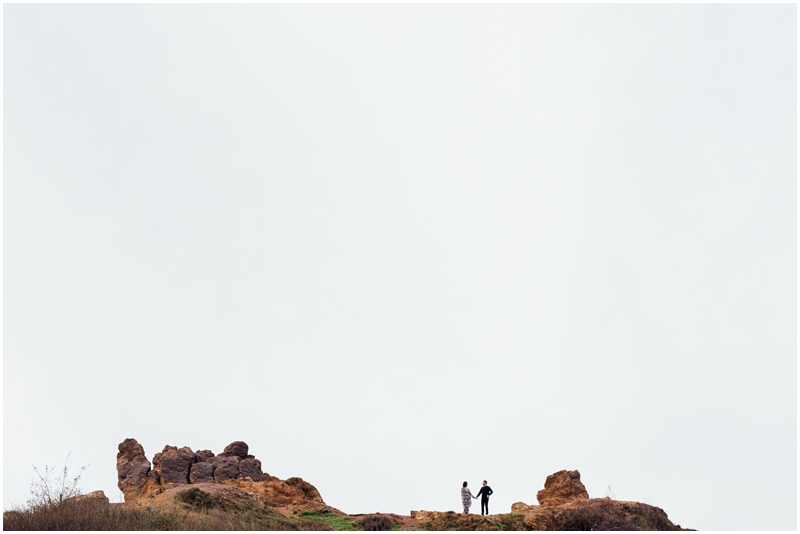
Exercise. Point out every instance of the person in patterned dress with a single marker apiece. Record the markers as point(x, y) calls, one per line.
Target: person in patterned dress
point(466, 497)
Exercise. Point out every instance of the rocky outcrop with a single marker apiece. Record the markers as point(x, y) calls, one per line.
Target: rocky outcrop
point(565, 505)
point(251, 468)
point(522, 508)
point(225, 467)
point(292, 492)
point(133, 469)
point(307, 489)
point(594, 514)
point(204, 455)
point(237, 448)
point(562, 487)
point(175, 466)
point(201, 472)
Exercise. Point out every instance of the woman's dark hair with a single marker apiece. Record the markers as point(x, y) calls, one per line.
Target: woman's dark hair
point(465, 485)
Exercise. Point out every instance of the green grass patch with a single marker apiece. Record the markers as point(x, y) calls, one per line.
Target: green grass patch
point(333, 521)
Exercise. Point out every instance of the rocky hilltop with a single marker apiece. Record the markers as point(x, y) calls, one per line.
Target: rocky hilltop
point(234, 466)
point(217, 487)
point(564, 504)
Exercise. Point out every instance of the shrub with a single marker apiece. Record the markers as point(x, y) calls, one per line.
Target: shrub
point(49, 489)
point(376, 522)
point(604, 515)
point(196, 498)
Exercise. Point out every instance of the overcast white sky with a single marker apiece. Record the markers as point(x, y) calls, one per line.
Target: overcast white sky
point(396, 247)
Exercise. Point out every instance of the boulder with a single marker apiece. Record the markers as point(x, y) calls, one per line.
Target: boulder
point(97, 495)
point(225, 467)
point(237, 448)
point(175, 465)
point(521, 508)
point(307, 489)
point(204, 455)
point(591, 515)
point(562, 487)
point(251, 467)
point(133, 468)
point(201, 472)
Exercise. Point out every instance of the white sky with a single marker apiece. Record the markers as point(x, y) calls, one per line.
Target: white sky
point(396, 247)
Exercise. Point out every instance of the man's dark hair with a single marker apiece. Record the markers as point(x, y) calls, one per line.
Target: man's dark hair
point(465, 485)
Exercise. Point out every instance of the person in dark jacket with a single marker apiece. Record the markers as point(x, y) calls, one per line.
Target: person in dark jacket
point(484, 493)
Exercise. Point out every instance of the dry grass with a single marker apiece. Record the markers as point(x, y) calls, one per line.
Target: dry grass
point(94, 514)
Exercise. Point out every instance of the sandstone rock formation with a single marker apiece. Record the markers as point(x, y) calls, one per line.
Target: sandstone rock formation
point(594, 514)
point(201, 472)
point(562, 487)
point(251, 467)
point(308, 490)
point(225, 467)
point(175, 466)
point(133, 469)
point(292, 492)
point(565, 505)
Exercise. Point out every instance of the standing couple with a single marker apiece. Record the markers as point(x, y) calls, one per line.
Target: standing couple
point(467, 496)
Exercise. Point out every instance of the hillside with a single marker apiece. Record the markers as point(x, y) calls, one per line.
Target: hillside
point(186, 490)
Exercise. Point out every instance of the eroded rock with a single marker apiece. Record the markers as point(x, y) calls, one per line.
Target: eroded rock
point(132, 468)
point(251, 467)
point(237, 448)
point(233, 467)
point(175, 465)
point(203, 455)
point(562, 487)
point(201, 472)
point(307, 489)
point(521, 508)
point(225, 467)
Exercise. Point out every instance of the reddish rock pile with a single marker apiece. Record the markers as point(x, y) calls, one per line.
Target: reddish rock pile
point(134, 476)
point(173, 466)
point(562, 487)
point(564, 504)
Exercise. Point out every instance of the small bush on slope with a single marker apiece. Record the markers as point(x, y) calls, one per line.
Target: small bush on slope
point(51, 489)
point(377, 522)
point(196, 498)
